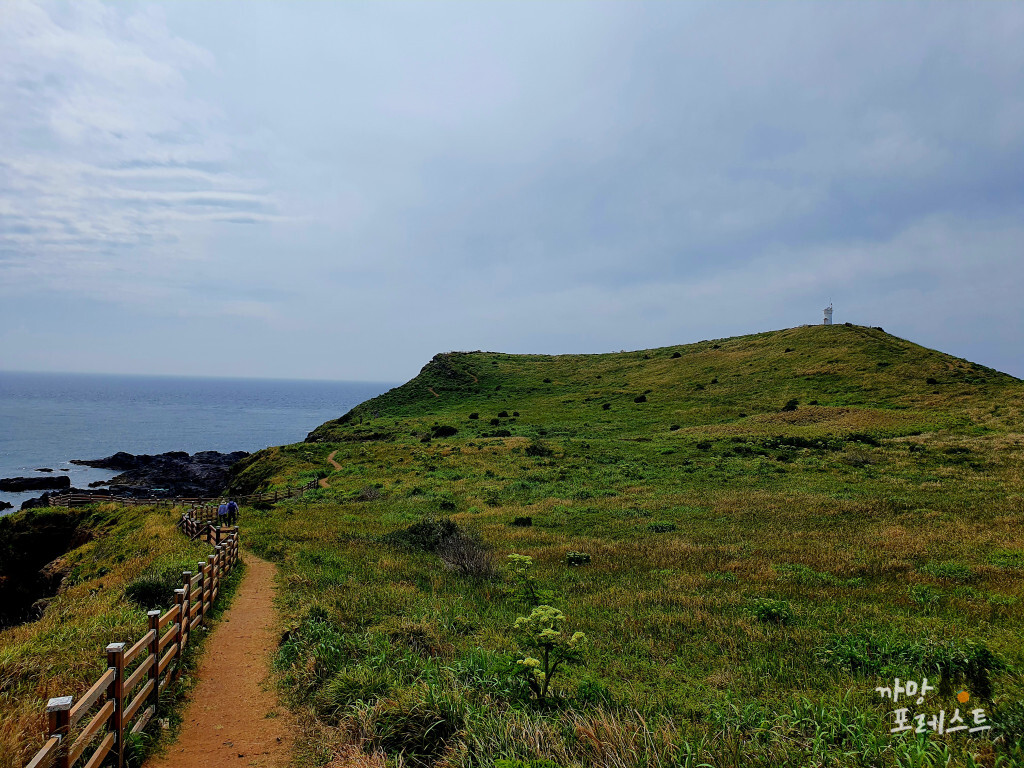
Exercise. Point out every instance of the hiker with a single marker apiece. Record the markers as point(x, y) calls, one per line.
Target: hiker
point(222, 514)
point(232, 512)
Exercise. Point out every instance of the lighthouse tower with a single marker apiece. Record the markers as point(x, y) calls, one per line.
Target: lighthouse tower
point(828, 315)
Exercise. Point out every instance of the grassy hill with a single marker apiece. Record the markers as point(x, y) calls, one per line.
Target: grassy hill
point(753, 533)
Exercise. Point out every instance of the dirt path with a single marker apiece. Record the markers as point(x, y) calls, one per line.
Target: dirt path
point(431, 391)
point(234, 718)
point(322, 482)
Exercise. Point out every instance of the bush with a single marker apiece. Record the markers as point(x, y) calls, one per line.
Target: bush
point(154, 589)
point(773, 611)
point(547, 381)
point(640, 399)
point(538, 447)
point(349, 686)
point(495, 422)
point(474, 415)
point(443, 430)
point(661, 527)
point(577, 558)
point(605, 406)
point(790, 405)
point(673, 428)
point(468, 554)
point(503, 414)
point(676, 355)
point(544, 646)
point(369, 493)
point(524, 522)
point(418, 724)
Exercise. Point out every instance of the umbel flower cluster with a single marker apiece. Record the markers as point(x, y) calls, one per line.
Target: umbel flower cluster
point(544, 647)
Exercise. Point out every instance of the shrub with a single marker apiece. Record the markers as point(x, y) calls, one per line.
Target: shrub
point(468, 554)
point(499, 433)
point(661, 527)
point(495, 422)
point(515, 414)
point(349, 686)
point(676, 355)
point(544, 646)
point(547, 381)
point(640, 399)
point(369, 493)
point(673, 428)
point(418, 724)
point(577, 558)
point(154, 589)
point(773, 611)
point(474, 415)
point(605, 406)
point(790, 405)
point(538, 447)
point(523, 584)
point(503, 414)
point(443, 430)
point(524, 522)
point(931, 380)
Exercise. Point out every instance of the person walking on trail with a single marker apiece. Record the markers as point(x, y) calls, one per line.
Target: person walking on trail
point(222, 514)
point(232, 512)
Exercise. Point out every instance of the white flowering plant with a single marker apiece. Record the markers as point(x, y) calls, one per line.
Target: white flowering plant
point(544, 646)
point(519, 570)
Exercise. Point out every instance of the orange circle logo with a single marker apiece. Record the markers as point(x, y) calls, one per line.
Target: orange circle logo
point(963, 697)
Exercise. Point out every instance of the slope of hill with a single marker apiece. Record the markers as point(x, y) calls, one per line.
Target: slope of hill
point(753, 534)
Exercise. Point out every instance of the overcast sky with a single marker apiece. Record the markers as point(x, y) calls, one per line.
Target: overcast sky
point(341, 190)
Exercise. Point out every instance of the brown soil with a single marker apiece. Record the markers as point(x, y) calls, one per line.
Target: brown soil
point(234, 718)
point(330, 460)
point(431, 391)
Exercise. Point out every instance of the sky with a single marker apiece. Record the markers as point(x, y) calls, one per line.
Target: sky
point(342, 190)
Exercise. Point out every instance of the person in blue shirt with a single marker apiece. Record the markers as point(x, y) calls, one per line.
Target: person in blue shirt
point(222, 514)
point(232, 512)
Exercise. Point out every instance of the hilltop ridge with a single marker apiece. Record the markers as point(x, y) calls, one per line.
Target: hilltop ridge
point(843, 378)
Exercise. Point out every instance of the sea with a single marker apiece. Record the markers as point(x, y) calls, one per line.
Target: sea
point(47, 419)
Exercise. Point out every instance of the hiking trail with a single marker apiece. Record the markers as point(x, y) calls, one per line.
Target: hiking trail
point(330, 460)
point(233, 717)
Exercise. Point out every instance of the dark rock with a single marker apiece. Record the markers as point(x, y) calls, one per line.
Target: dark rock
point(34, 483)
point(5, 505)
point(99, 483)
point(167, 475)
point(44, 469)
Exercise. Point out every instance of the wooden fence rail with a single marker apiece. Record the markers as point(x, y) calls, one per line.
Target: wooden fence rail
point(127, 695)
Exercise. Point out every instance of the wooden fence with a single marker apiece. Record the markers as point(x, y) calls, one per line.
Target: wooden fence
point(81, 499)
point(116, 706)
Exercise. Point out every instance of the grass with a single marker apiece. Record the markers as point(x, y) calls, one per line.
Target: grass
point(756, 567)
point(62, 653)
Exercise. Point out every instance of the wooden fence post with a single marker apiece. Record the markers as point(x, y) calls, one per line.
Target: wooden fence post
point(154, 651)
point(202, 588)
point(115, 659)
point(179, 601)
point(58, 712)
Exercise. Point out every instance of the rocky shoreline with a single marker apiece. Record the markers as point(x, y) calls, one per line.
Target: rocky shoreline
point(143, 476)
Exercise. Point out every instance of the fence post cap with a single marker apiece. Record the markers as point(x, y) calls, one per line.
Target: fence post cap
point(180, 591)
point(116, 647)
point(154, 612)
point(59, 704)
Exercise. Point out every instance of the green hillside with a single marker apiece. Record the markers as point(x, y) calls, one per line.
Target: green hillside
point(752, 533)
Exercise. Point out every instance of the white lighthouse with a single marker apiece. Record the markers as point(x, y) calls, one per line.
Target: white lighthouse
point(828, 315)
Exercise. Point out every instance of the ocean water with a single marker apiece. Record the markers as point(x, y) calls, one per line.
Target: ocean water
point(47, 419)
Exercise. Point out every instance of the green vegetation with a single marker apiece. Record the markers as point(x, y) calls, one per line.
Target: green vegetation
point(775, 525)
point(131, 560)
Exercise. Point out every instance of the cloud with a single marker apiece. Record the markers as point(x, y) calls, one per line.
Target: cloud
point(109, 168)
